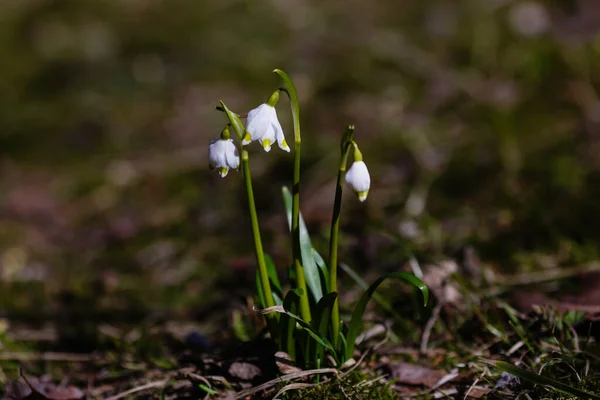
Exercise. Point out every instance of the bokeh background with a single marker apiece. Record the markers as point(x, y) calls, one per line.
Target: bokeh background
point(479, 121)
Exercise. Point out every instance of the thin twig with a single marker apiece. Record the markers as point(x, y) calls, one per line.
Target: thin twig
point(288, 377)
point(25, 356)
point(475, 383)
point(365, 354)
point(195, 377)
point(151, 385)
point(294, 386)
point(549, 275)
point(429, 327)
point(370, 382)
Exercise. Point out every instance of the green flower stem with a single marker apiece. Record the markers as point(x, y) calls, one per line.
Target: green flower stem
point(258, 248)
point(333, 246)
point(290, 90)
point(238, 126)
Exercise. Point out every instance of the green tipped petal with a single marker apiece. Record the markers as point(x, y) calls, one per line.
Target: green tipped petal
point(362, 196)
point(247, 138)
point(223, 172)
point(266, 144)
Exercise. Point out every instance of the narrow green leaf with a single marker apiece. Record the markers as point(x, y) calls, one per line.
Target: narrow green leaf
point(320, 323)
point(322, 340)
point(347, 138)
point(272, 272)
point(289, 87)
point(275, 284)
point(324, 270)
point(543, 380)
point(342, 343)
point(365, 285)
point(260, 292)
point(311, 269)
point(359, 310)
point(274, 279)
point(287, 325)
point(314, 334)
point(234, 120)
point(207, 389)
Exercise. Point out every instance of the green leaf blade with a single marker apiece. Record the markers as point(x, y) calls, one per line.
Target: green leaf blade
point(314, 334)
point(274, 280)
point(359, 310)
point(275, 284)
point(311, 269)
point(544, 381)
point(287, 325)
point(324, 271)
point(307, 328)
point(320, 323)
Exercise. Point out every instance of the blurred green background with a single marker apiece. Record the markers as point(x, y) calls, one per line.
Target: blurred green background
point(479, 121)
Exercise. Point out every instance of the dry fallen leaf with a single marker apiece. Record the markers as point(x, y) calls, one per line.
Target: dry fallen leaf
point(39, 389)
point(285, 363)
point(244, 370)
point(411, 374)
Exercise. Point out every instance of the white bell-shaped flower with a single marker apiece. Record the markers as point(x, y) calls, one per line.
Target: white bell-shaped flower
point(358, 179)
point(262, 125)
point(222, 155)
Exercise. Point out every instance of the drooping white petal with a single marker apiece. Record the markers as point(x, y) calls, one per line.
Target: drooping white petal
point(231, 156)
point(258, 121)
point(268, 138)
point(359, 180)
point(222, 155)
point(216, 153)
point(263, 125)
point(280, 138)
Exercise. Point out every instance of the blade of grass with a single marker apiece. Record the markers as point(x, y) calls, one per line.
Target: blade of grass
point(314, 334)
point(311, 269)
point(324, 270)
point(383, 303)
point(359, 310)
point(543, 380)
point(274, 279)
point(287, 325)
point(320, 323)
point(259, 290)
point(365, 285)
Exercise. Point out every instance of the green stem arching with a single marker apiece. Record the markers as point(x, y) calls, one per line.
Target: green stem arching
point(290, 90)
point(333, 246)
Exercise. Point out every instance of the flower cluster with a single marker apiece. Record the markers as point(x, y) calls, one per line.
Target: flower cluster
point(311, 299)
point(262, 125)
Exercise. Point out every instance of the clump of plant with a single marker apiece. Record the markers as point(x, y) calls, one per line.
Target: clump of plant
point(305, 321)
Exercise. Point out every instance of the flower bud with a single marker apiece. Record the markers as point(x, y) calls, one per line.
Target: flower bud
point(358, 179)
